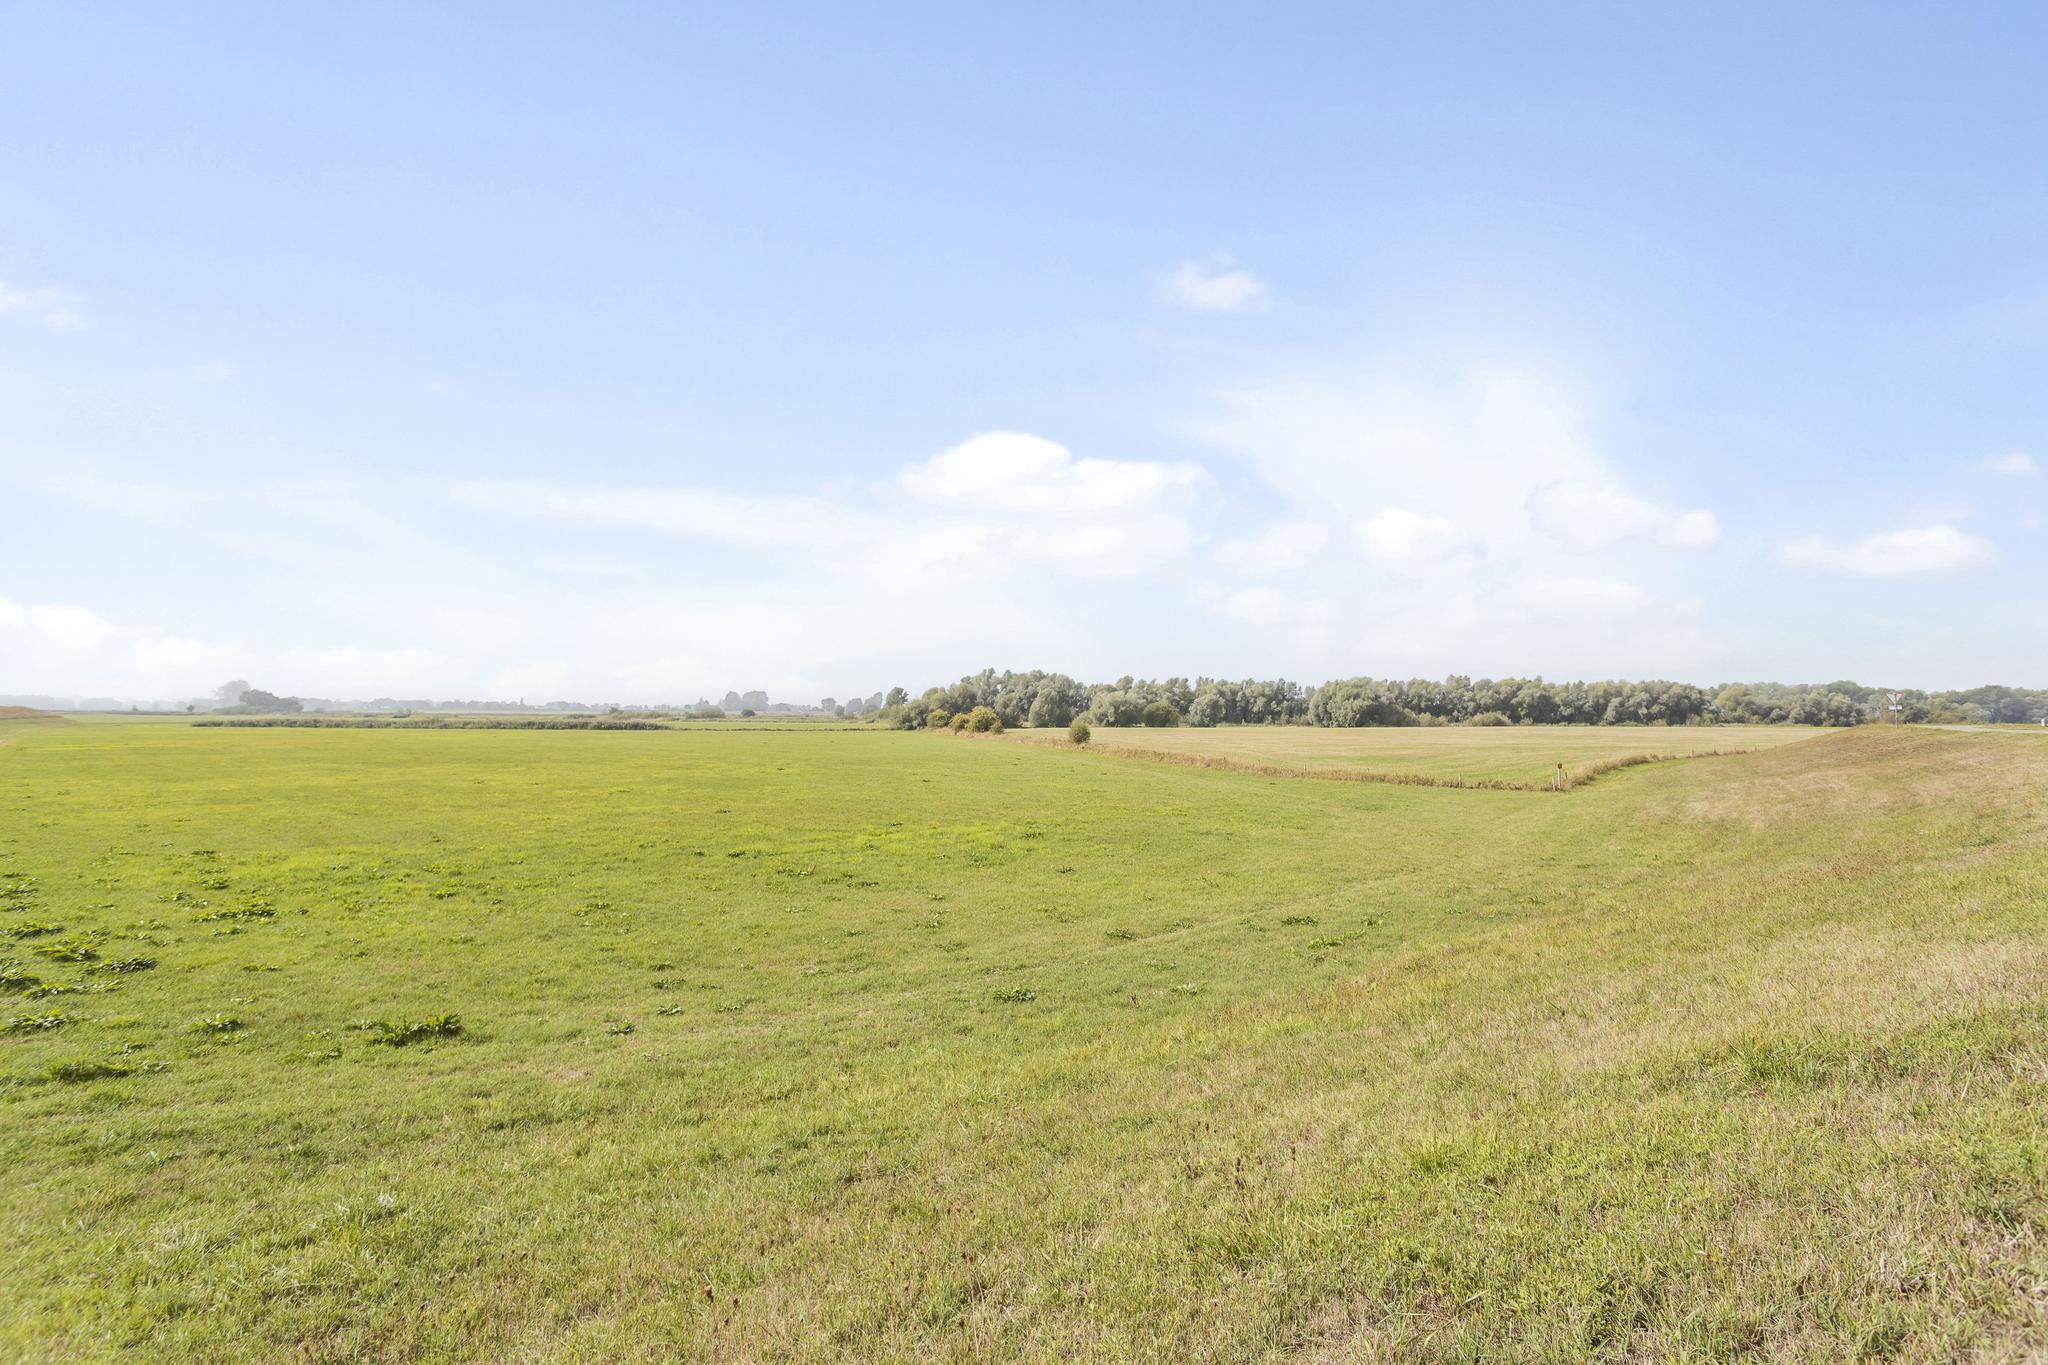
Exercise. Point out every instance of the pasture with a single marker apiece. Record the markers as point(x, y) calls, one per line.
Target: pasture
point(1524, 755)
point(815, 1045)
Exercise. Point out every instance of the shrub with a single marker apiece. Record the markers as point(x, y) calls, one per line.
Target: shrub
point(938, 720)
point(959, 721)
point(984, 721)
point(1490, 718)
point(1160, 715)
point(1078, 732)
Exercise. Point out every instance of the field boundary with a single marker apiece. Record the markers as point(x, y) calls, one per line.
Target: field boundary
point(517, 723)
point(1575, 777)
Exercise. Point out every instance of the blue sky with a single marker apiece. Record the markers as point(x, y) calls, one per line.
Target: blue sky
point(641, 352)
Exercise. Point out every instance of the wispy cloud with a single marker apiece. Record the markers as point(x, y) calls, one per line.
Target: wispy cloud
point(1216, 283)
point(1396, 535)
point(1917, 550)
point(700, 512)
point(992, 502)
point(2016, 464)
point(1579, 597)
point(1592, 514)
point(1280, 548)
point(53, 308)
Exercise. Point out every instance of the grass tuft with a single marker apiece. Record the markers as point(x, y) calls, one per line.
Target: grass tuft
point(37, 1023)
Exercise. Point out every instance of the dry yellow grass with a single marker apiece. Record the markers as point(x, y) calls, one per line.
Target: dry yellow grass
point(1516, 758)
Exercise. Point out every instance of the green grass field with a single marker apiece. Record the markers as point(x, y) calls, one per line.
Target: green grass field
point(1525, 755)
point(908, 1047)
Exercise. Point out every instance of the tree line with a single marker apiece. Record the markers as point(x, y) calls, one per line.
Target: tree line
point(1040, 699)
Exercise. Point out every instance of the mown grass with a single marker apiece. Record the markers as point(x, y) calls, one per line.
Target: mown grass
point(1511, 757)
point(817, 1046)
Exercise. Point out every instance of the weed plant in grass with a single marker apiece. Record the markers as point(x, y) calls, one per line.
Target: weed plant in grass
point(905, 1047)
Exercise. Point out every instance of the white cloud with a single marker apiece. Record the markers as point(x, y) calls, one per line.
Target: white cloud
point(1503, 452)
point(1474, 444)
point(52, 307)
point(1925, 549)
point(2016, 464)
point(1280, 548)
point(1216, 284)
point(214, 372)
point(1007, 496)
point(59, 628)
point(69, 650)
point(1458, 485)
point(1395, 534)
point(1014, 471)
point(1593, 514)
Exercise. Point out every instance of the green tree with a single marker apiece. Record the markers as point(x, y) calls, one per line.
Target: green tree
point(1115, 707)
point(1049, 709)
point(1160, 715)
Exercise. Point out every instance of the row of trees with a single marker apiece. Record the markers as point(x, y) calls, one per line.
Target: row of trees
point(1040, 699)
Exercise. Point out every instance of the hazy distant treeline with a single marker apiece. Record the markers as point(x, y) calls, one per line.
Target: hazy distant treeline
point(1036, 698)
point(300, 722)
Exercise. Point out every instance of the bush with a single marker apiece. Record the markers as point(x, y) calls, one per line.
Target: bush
point(1079, 732)
point(1490, 718)
point(983, 720)
point(1160, 715)
point(938, 720)
point(1207, 710)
